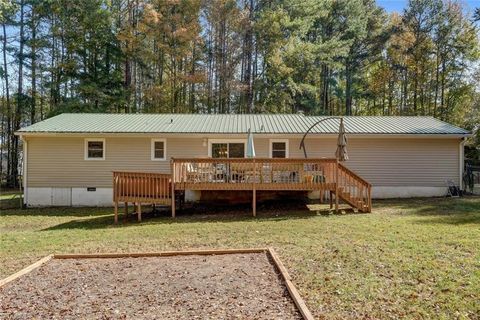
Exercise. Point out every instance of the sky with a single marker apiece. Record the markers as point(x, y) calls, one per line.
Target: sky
point(399, 5)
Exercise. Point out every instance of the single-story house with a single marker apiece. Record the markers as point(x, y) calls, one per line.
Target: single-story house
point(69, 159)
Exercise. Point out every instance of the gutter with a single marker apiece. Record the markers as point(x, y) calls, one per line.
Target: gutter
point(461, 158)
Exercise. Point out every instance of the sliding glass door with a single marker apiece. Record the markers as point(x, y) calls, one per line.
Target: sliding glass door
point(228, 149)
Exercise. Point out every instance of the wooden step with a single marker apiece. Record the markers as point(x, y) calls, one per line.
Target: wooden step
point(349, 201)
point(345, 194)
point(343, 190)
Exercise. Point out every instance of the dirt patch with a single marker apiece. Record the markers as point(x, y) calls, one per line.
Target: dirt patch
point(231, 286)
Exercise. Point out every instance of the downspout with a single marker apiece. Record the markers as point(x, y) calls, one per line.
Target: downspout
point(25, 166)
point(461, 156)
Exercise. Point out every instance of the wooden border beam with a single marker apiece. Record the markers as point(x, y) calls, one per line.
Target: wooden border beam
point(159, 254)
point(25, 270)
point(301, 306)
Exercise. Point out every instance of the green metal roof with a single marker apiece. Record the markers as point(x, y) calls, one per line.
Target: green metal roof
point(236, 123)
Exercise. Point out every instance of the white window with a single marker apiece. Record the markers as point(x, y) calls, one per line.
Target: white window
point(279, 148)
point(94, 149)
point(220, 148)
point(159, 149)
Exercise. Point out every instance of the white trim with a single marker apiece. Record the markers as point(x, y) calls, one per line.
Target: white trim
point(85, 154)
point(392, 192)
point(211, 141)
point(152, 149)
point(77, 196)
point(270, 147)
point(389, 192)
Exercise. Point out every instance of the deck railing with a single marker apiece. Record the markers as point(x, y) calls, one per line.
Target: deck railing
point(142, 187)
point(258, 173)
point(354, 189)
point(242, 174)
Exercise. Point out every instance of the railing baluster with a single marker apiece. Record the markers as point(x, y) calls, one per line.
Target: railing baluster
point(163, 188)
point(151, 193)
point(137, 187)
point(142, 187)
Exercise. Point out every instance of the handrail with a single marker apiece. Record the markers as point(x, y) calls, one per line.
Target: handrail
point(354, 189)
point(341, 166)
point(141, 172)
point(271, 160)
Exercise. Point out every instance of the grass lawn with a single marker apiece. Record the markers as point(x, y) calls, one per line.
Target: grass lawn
point(412, 258)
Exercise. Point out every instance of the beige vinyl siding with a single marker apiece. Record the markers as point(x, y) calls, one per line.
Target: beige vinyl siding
point(393, 161)
point(59, 161)
point(425, 163)
point(387, 161)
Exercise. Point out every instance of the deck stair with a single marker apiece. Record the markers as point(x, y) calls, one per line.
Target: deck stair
point(353, 189)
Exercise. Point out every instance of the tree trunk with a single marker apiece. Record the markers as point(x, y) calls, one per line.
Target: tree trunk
point(415, 93)
point(348, 89)
point(442, 93)
point(20, 100)
point(391, 87)
point(191, 101)
point(33, 68)
point(8, 112)
point(248, 80)
point(325, 88)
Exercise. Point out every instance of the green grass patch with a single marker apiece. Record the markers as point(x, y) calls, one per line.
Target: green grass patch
point(411, 258)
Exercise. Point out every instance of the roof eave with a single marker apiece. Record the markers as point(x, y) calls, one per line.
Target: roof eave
point(316, 135)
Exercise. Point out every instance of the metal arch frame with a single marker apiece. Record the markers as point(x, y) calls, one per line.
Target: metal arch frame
point(302, 143)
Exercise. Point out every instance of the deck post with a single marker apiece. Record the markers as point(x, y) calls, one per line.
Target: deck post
point(254, 203)
point(336, 187)
point(369, 198)
point(115, 199)
point(139, 206)
point(254, 191)
point(126, 210)
point(330, 198)
point(173, 187)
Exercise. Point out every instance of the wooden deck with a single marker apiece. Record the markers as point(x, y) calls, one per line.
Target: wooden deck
point(254, 175)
